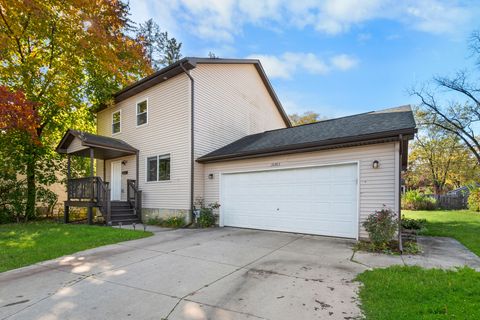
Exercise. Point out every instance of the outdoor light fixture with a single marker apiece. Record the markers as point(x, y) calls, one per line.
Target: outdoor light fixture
point(124, 162)
point(375, 164)
point(210, 176)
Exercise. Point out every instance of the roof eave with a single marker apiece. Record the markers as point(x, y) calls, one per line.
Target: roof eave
point(408, 134)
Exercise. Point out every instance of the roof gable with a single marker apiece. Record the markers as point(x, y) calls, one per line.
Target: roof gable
point(189, 63)
point(104, 147)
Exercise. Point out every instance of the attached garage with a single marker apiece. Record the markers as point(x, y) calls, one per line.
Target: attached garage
point(323, 178)
point(315, 200)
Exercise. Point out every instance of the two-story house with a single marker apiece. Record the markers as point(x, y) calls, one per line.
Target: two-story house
point(215, 129)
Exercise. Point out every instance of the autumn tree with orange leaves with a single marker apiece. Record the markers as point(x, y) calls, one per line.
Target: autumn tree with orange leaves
point(59, 61)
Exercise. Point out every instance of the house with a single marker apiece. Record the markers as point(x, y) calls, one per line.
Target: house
point(215, 129)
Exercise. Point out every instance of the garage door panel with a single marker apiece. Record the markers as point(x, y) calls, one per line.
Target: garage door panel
point(319, 200)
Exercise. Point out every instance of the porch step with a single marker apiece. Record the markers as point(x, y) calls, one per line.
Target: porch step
point(122, 212)
point(117, 211)
point(120, 204)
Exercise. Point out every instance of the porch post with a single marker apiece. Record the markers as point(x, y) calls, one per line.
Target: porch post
point(92, 190)
point(66, 209)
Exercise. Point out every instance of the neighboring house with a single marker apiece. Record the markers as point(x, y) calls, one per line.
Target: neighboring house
point(215, 129)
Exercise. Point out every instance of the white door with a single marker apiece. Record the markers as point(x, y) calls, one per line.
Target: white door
point(314, 200)
point(116, 181)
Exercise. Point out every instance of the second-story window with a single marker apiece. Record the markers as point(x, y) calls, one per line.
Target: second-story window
point(116, 122)
point(142, 112)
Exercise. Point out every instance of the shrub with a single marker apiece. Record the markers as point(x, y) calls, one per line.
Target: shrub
point(413, 224)
point(175, 221)
point(381, 227)
point(414, 200)
point(474, 199)
point(206, 218)
point(46, 199)
point(12, 200)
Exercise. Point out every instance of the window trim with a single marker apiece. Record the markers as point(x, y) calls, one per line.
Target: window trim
point(120, 122)
point(158, 156)
point(137, 114)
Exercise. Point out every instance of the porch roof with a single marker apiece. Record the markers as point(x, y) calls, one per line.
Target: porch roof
point(79, 143)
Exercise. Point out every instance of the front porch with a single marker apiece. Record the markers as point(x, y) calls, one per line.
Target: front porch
point(93, 191)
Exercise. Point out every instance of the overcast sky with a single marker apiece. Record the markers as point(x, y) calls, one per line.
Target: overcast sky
point(335, 57)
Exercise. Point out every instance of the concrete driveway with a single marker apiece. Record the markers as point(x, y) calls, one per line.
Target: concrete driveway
point(191, 274)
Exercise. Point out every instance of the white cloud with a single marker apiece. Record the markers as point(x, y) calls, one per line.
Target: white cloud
point(344, 62)
point(222, 20)
point(287, 64)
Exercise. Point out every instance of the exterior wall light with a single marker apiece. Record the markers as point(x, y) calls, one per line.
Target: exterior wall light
point(210, 176)
point(375, 164)
point(124, 162)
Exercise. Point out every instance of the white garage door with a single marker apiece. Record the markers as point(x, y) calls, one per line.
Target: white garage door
point(315, 200)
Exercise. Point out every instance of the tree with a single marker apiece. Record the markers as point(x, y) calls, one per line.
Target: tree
point(159, 49)
point(440, 161)
point(305, 118)
point(453, 104)
point(67, 57)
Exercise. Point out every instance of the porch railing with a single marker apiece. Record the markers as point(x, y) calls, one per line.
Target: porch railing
point(134, 197)
point(92, 190)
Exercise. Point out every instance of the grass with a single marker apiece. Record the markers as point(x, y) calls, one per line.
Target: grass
point(463, 225)
point(400, 292)
point(25, 244)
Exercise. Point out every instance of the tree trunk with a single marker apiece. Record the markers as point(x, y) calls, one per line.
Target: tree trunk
point(31, 190)
point(437, 188)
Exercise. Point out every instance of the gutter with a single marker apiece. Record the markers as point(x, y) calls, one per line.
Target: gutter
point(192, 136)
point(400, 156)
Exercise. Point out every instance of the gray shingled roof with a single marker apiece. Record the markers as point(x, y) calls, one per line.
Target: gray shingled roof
point(97, 140)
point(93, 140)
point(360, 127)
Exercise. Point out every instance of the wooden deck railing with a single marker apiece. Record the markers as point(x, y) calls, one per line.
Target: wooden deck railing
point(92, 191)
point(134, 197)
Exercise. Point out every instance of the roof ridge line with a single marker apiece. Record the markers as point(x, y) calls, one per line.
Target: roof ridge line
point(338, 118)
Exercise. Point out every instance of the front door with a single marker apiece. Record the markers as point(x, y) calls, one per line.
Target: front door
point(116, 181)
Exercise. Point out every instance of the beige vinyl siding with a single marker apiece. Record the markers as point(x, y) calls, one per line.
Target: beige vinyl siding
point(76, 145)
point(231, 102)
point(377, 187)
point(167, 132)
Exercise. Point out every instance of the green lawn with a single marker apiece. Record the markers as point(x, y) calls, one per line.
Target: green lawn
point(462, 225)
point(25, 244)
point(414, 293)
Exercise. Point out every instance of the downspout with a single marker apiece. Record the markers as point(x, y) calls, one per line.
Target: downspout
point(400, 243)
point(192, 149)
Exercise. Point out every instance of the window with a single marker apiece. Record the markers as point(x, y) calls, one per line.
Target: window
point(152, 171)
point(158, 168)
point(142, 117)
point(164, 167)
point(116, 122)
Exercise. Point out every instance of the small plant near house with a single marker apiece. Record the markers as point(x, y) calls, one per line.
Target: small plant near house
point(474, 199)
point(413, 224)
point(381, 227)
point(411, 247)
point(174, 221)
point(206, 217)
point(415, 200)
